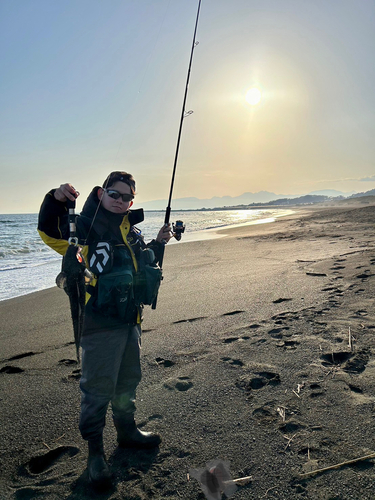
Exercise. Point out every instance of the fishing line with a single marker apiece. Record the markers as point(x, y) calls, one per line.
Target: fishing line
point(183, 115)
point(179, 225)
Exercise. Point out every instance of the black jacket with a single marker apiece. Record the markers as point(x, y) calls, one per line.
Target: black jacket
point(114, 231)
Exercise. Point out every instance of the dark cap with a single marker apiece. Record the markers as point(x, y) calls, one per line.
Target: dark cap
point(120, 177)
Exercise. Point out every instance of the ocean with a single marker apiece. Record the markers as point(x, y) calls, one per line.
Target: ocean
point(28, 265)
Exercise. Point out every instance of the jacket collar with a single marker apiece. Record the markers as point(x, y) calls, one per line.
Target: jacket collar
point(101, 221)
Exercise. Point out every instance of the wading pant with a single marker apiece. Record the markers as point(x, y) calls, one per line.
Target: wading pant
point(111, 372)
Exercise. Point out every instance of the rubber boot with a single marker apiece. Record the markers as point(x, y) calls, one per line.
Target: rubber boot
point(129, 436)
point(99, 474)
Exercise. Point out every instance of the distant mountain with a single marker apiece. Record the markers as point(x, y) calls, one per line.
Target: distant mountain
point(215, 202)
point(230, 201)
point(332, 193)
point(307, 199)
point(366, 193)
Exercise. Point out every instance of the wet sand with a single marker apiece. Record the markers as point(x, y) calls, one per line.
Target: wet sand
point(246, 359)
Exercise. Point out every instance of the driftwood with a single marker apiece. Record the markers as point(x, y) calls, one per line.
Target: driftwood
point(337, 466)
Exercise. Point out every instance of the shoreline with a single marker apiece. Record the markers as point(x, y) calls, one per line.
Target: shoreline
point(201, 235)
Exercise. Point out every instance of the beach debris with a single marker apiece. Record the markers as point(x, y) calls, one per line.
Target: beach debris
point(58, 439)
point(269, 489)
point(281, 410)
point(351, 339)
point(299, 388)
point(215, 479)
point(290, 439)
point(342, 464)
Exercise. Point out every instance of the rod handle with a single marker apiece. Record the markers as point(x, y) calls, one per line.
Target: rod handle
point(70, 204)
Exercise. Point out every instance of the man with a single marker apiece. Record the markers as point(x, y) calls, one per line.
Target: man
point(115, 251)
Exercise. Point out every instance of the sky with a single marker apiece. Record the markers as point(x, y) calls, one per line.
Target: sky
point(91, 86)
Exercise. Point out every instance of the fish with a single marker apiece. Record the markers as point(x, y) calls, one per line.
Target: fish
point(72, 281)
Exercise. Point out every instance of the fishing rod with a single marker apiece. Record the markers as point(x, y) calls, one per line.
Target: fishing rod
point(179, 227)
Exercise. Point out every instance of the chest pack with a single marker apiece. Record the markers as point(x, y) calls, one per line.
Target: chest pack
point(148, 278)
point(120, 290)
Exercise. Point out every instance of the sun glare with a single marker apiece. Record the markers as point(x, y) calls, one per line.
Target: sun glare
point(253, 96)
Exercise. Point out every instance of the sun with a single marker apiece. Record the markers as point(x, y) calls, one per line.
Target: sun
point(253, 96)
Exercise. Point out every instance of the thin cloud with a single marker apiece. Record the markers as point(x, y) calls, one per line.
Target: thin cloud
point(349, 179)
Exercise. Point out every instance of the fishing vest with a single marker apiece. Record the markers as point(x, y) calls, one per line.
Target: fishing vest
point(121, 289)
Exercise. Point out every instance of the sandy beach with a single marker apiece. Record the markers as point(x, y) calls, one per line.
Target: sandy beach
point(260, 353)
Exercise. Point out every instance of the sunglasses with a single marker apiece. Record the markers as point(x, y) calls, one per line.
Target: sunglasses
point(116, 195)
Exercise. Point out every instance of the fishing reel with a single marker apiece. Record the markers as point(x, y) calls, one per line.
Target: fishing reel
point(178, 229)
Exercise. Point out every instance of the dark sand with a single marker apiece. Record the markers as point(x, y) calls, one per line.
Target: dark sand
point(247, 327)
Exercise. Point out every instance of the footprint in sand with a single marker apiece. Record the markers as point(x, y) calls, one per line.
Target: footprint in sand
point(23, 355)
point(349, 362)
point(75, 375)
point(191, 320)
point(248, 382)
point(167, 363)
point(316, 392)
point(285, 316)
point(233, 362)
point(355, 389)
point(278, 301)
point(290, 345)
point(11, 369)
point(291, 426)
point(181, 384)
point(365, 276)
point(231, 313)
point(41, 463)
point(276, 333)
point(265, 414)
point(229, 340)
point(68, 362)
point(360, 312)
point(156, 416)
